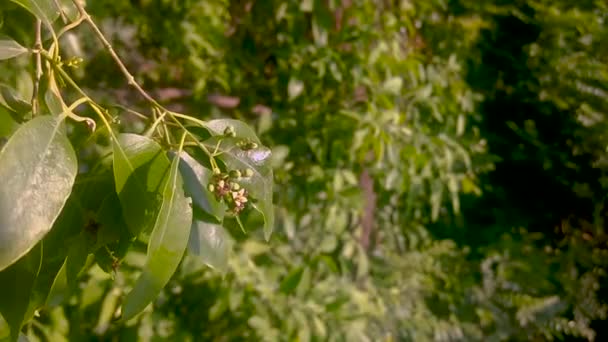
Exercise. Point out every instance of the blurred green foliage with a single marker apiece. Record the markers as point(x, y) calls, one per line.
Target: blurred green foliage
point(440, 167)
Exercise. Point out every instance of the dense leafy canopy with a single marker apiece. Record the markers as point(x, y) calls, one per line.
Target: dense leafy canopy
point(429, 170)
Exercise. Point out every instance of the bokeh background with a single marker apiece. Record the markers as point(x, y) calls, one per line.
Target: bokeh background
point(440, 166)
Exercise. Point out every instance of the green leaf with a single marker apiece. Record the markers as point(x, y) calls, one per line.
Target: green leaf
point(241, 129)
point(38, 166)
point(8, 126)
point(108, 307)
point(295, 88)
point(167, 244)
point(259, 185)
point(10, 48)
point(59, 289)
point(53, 99)
point(291, 281)
point(55, 247)
point(212, 243)
point(16, 283)
point(393, 85)
point(77, 257)
point(113, 234)
point(68, 9)
point(45, 10)
point(13, 101)
point(139, 169)
point(196, 177)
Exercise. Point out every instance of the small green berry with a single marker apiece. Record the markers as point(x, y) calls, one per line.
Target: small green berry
point(235, 174)
point(211, 187)
point(235, 186)
point(247, 173)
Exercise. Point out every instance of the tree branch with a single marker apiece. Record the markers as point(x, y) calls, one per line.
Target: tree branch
point(130, 79)
point(38, 74)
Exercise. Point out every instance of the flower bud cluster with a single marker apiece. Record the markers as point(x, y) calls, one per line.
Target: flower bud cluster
point(225, 186)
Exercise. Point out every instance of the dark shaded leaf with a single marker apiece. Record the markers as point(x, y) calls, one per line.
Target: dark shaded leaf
point(196, 178)
point(13, 101)
point(16, 284)
point(56, 245)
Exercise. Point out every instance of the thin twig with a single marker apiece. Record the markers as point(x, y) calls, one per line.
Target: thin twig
point(70, 26)
point(64, 75)
point(130, 79)
point(38, 75)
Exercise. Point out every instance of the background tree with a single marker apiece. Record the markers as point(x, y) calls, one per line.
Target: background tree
point(439, 168)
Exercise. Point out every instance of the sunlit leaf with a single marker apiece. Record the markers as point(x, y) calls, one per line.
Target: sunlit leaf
point(38, 166)
point(108, 307)
point(294, 88)
point(167, 244)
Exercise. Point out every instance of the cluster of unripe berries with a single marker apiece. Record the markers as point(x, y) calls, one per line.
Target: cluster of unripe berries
point(225, 187)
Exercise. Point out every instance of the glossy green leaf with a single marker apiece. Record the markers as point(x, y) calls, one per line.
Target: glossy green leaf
point(139, 169)
point(54, 248)
point(38, 166)
point(10, 48)
point(196, 178)
point(167, 244)
point(212, 243)
point(16, 284)
point(259, 185)
point(45, 10)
